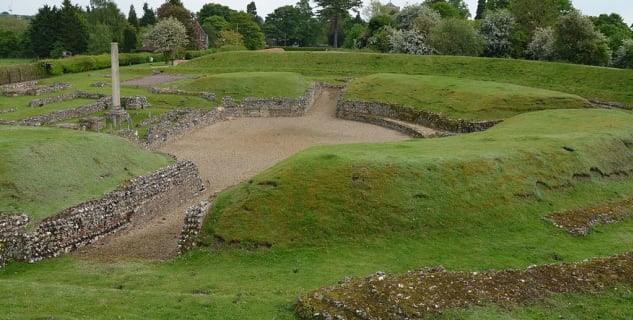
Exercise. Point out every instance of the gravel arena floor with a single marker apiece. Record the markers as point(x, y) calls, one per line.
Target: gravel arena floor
point(229, 152)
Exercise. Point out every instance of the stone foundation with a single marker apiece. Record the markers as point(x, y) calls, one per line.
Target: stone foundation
point(138, 200)
point(31, 88)
point(193, 224)
point(360, 110)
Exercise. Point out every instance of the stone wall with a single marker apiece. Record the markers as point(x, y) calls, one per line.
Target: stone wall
point(64, 97)
point(61, 115)
point(178, 122)
point(192, 225)
point(11, 226)
point(138, 200)
point(359, 110)
point(206, 95)
point(30, 88)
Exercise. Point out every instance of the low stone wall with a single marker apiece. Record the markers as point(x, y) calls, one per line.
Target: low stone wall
point(178, 122)
point(64, 97)
point(18, 86)
point(30, 88)
point(206, 95)
point(7, 110)
point(61, 115)
point(359, 110)
point(138, 200)
point(193, 224)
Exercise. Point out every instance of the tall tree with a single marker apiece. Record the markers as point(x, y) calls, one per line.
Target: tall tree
point(577, 41)
point(481, 9)
point(107, 13)
point(334, 10)
point(311, 29)
point(168, 37)
point(250, 30)
point(42, 32)
point(214, 9)
point(72, 28)
point(213, 26)
point(456, 37)
point(148, 18)
point(283, 24)
point(461, 7)
point(132, 19)
point(614, 28)
point(175, 9)
point(496, 28)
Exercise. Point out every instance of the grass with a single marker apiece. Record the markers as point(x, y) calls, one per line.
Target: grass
point(457, 97)
point(469, 202)
point(585, 81)
point(45, 170)
point(247, 84)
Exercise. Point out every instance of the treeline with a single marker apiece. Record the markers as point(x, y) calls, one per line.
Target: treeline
point(526, 29)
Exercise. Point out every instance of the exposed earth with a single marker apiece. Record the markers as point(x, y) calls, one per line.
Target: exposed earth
point(229, 152)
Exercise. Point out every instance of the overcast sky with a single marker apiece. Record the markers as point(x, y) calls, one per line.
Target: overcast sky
point(264, 7)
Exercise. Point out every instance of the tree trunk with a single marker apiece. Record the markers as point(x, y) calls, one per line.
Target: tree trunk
point(335, 31)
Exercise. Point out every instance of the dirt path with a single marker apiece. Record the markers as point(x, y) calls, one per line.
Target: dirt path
point(229, 152)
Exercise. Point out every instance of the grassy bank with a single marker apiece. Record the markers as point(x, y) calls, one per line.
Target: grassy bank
point(457, 97)
point(46, 170)
point(585, 81)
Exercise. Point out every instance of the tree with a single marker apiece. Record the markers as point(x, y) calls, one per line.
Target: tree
point(148, 18)
point(614, 28)
point(284, 24)
point(107, 13)
point(251, 9)
point(375, 8)
point(251, 31)
point(132, 19)
point(542, 45)
point(214, 9)
point(456, 37)
point(72, 28)
point(481, 9)
point(168, 37)
point(10, 45)
point(311, 28)
point(129, 39)
point(175, 9)
point(576, 41)
point(496, 28)
point(42, 32)
point(461, 7)
point(409, 42)
point(623, 57)
point(99, 39)
point(420, 17)
point(334, 11)
point(354, 38)
point(493, 5)
point(213, 25)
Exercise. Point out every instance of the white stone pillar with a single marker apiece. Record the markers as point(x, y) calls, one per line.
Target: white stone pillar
point(114, 65)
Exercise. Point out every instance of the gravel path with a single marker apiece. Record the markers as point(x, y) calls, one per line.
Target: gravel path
point(229, 152)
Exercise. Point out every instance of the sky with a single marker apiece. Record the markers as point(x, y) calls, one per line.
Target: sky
point(264, 7)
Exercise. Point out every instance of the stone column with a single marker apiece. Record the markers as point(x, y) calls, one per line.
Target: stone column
point(116, 113)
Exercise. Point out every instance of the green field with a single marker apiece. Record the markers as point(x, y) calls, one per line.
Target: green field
point(471, 202)
point(8, 62)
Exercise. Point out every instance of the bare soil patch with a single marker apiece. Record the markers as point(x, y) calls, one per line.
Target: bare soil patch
point(229, 152)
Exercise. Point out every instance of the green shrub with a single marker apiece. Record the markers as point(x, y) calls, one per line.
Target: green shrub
point(19, 73)
point(199, 53)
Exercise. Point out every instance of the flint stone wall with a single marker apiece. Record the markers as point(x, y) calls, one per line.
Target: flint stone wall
point(64, 97)
point(30, 88)
point(192, 225)
point(353, 109)
point(137, 201)
point(206, 95)
point(178, 122)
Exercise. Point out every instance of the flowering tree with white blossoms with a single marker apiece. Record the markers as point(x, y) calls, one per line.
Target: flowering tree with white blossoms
point(168, 36)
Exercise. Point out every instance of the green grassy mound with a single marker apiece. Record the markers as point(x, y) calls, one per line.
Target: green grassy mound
point(247, 84)
point(360, 191)
point(586, 81)
point(46, 170)
point(459, 98)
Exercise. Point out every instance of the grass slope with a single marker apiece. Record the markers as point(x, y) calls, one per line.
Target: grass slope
point(585, 81)
point(247, 84)
point(457, 183)
point(457, 97)
point(46, 170)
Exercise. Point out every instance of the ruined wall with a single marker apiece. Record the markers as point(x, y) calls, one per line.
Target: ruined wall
point(64, 97)
point(178, 122)
point(206, 95)
point(192, 225)
point(360, 110)
point(138, 200)
point(30, 88)
point(11, 226)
